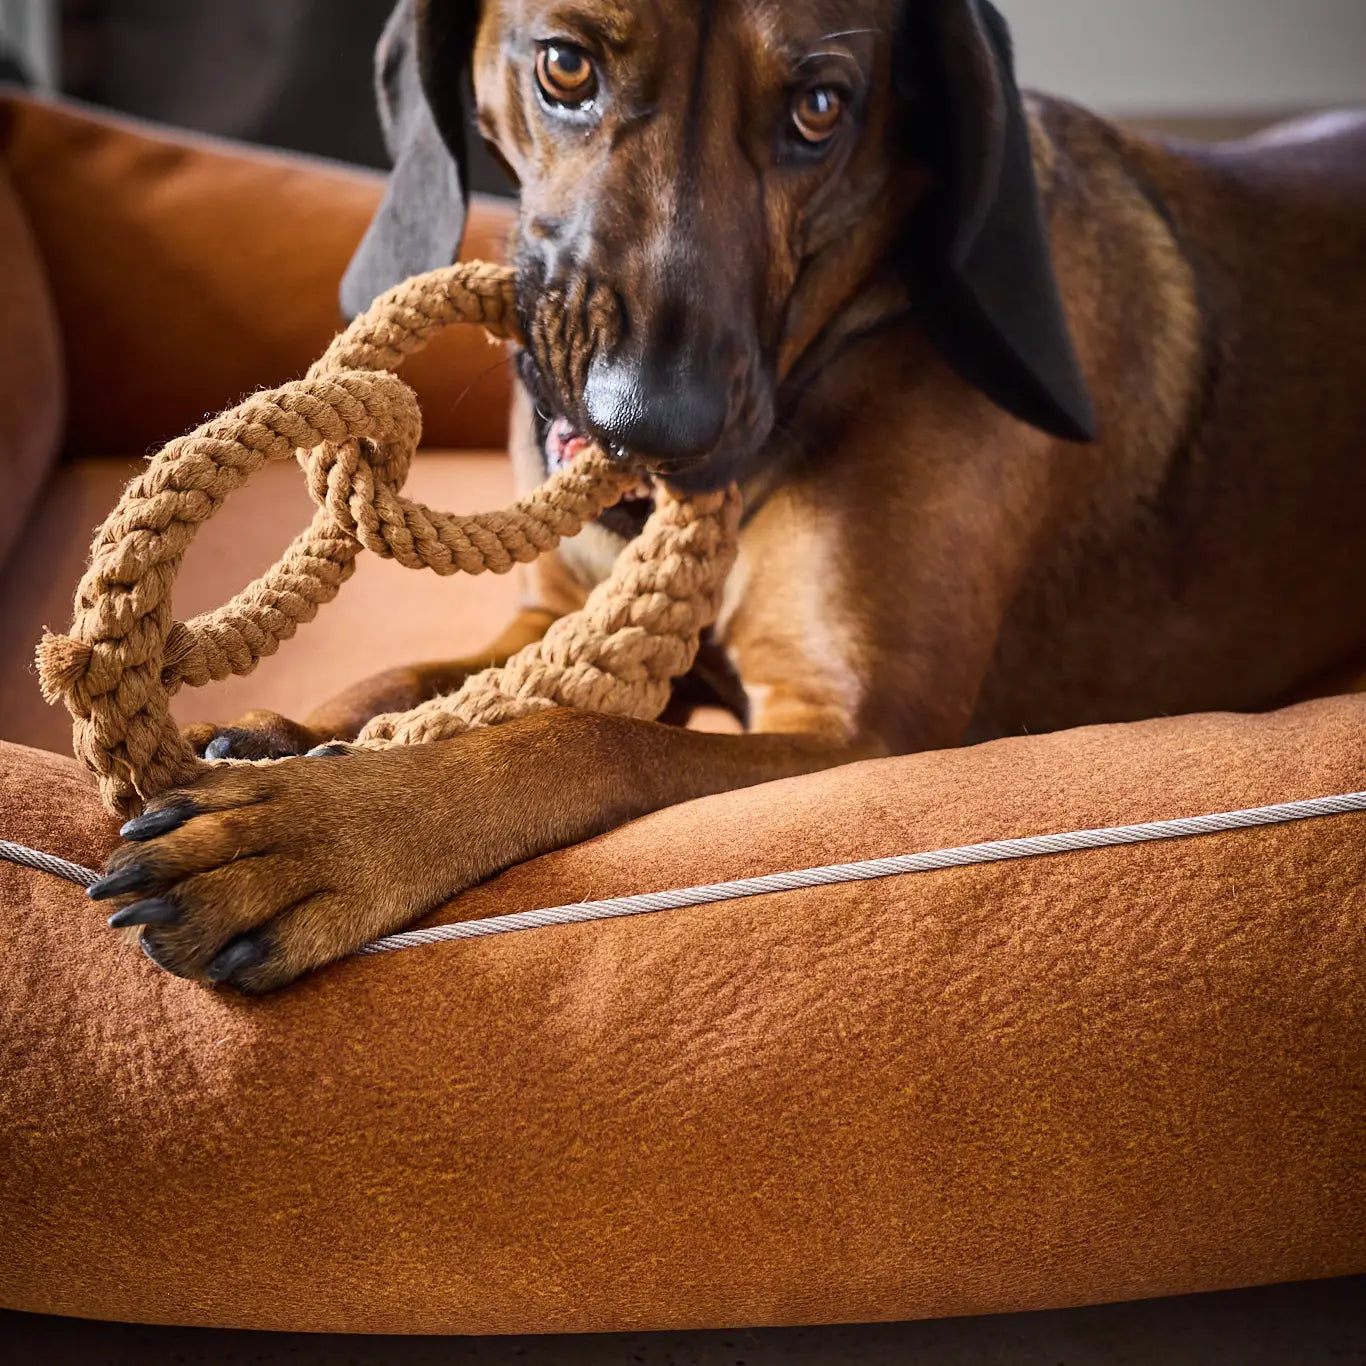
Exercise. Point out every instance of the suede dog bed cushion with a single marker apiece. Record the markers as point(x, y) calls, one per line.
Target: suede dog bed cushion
point(1087, 1077)
point(186, 272)
point(31, 392)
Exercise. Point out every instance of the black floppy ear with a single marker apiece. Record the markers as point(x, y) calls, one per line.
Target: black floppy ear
point(421, 74)
point(980, 255)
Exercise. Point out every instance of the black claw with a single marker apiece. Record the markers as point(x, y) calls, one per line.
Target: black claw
point(121, 883)
point(330, 752)
point(158, 912)
point(222, 746)
point(153, 824)
point(245, 952)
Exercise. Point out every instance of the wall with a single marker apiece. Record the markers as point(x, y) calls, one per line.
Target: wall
point(1193, 56)
point(28, 26)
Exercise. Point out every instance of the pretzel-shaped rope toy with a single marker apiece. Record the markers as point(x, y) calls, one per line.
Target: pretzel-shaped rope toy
point(354, 427)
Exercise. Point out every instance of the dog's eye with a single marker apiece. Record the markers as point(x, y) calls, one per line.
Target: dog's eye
point(566, 74)
point(816, 113)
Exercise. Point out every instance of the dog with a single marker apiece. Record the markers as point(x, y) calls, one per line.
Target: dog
point(1038, 423)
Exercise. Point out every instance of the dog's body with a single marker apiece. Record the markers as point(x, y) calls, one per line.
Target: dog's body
point(930, 570)
point(918, 567)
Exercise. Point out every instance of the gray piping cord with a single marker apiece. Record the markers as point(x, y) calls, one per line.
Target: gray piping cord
point(47, 863)
point(998, 851)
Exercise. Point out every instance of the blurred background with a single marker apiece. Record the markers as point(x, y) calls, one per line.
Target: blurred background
point(296, 73)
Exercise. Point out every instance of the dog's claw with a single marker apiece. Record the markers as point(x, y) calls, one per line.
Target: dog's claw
point(248, 951)
point(153, 824)
point(221, 746)
point(157, 912)
point(257, 736)
point(121, 883)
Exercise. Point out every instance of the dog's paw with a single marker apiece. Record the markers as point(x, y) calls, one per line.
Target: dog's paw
point(258, 874)
point(258, 735)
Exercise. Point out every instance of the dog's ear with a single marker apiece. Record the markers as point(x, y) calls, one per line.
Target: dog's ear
point(422, 69)
point(979, 254)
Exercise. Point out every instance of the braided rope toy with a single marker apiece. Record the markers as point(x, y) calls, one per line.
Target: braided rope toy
point(354, 427)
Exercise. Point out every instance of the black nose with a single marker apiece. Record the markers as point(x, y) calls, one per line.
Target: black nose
point(671, 413)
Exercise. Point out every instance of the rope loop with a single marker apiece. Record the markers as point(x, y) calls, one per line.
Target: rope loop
point(355, 427)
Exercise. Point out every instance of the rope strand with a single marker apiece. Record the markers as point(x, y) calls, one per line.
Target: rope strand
point(355, 427)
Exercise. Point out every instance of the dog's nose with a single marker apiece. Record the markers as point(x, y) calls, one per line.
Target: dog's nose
point(671, 415)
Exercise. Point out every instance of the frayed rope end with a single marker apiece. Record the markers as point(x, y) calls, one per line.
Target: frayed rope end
point(62, 663)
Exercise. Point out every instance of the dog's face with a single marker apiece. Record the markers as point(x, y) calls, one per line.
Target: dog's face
point(703, 187)
point(716, 193)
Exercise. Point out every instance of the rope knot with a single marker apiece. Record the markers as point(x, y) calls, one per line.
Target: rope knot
point(356, 475)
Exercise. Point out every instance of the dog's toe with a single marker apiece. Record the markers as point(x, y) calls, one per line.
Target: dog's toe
point(245, 952)
point(152, 824)
point(157, 911)
point(223, 745)
point(158, 955)
point(126, 881)
point(238, 742)
point(258, 735)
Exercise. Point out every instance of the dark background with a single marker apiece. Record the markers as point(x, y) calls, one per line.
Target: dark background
point(284, 73)
point(296, 73)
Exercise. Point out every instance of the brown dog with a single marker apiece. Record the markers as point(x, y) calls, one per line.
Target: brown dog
point(1038, 424)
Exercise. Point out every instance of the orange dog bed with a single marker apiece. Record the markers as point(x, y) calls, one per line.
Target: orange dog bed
point(1095, 1076)
point(1091, 1076)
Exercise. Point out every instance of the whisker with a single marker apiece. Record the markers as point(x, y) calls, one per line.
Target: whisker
point(478, 379)
point(846, 33)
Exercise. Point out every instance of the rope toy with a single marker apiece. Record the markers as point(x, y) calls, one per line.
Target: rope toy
point(354, 427)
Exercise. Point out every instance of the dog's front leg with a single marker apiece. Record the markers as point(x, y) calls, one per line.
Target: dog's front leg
point(260, 873)
point(268, 735)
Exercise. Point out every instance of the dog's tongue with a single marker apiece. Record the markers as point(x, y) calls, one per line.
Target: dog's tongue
point(563, 444)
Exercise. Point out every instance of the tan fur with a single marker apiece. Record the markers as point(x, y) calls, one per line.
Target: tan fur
point(942, 572)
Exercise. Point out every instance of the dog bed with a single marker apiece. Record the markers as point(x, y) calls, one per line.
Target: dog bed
point(1092, 1076)
point(1095, 1076)
point(31, 397)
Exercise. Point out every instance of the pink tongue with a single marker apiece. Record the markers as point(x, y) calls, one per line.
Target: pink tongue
point(564, 445)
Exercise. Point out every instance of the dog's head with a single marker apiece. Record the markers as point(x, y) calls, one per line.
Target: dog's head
point(712, 191)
